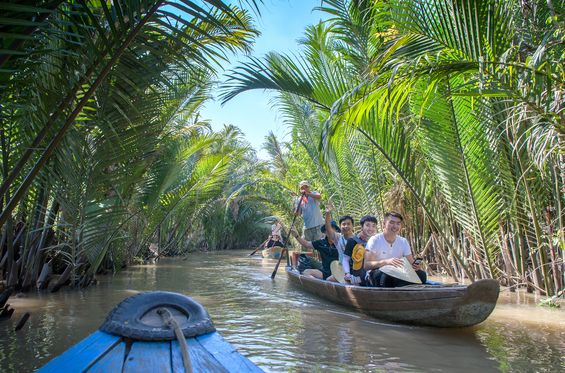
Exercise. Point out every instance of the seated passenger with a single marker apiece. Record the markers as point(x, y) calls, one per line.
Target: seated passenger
point(274, 240)
point(354, 252)
point(388, 248)
point(327, 250)
point(276, 228)
point(339, 239)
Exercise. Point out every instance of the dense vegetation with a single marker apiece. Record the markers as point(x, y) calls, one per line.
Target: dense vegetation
point(451, 112)
point(103, 149)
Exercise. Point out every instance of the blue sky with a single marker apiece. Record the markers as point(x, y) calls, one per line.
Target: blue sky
point(282, 23)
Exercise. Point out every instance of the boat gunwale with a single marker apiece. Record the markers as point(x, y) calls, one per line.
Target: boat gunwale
point(357, 288)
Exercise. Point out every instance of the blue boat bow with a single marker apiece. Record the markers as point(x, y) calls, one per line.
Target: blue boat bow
point(134, 338)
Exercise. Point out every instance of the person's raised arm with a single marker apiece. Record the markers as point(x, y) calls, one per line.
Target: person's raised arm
point(329, 229)
point(296, 208)
point(302, 241)
point(314, 195)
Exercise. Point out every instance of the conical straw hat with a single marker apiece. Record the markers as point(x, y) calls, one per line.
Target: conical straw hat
point(405, 273)
point(337, 271)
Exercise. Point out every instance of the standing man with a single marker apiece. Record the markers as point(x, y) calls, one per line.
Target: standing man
point(310, 209)
point(388, 248)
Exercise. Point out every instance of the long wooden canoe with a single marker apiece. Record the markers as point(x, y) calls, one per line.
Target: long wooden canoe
point(137, 338)
point(430, 305)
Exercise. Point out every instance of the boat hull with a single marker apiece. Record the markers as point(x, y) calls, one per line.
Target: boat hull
point(273, 252)
point(428, 305)
point(103, 352)
point(133, 338)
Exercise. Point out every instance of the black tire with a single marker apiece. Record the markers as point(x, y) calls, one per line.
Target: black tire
point(125, 319)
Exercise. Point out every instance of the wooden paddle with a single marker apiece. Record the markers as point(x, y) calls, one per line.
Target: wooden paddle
point(258, 247)
point(284, 250)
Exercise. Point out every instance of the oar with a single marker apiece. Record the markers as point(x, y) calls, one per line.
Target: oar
point(284, 250)
point(258, 247)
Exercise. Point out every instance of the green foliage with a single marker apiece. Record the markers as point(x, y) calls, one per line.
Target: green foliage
point(99, 111)
point(450, 112)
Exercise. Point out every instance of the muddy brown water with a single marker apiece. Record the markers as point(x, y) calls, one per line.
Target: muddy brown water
point(282, 329)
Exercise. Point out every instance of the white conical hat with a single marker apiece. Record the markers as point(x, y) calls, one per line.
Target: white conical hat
point(337, 271)
point(405, 273)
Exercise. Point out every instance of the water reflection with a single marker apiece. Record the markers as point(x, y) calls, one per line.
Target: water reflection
point(283, 329)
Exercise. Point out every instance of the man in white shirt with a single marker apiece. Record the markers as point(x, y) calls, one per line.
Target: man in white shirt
point(388, 248)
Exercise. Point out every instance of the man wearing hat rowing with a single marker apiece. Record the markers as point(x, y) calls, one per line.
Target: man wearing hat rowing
point(310, 209)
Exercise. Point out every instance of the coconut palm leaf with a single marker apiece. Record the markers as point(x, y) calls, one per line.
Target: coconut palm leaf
point(201, 45)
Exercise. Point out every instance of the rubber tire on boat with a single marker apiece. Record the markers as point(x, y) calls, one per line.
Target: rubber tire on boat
point(124, 319)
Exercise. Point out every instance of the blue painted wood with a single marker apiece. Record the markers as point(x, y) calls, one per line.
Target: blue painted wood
point(201, 360)
point(112, 361)
point(226, 354)
point(149, 357)
point(83, 354)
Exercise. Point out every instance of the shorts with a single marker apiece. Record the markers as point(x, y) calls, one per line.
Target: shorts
point(313, 234)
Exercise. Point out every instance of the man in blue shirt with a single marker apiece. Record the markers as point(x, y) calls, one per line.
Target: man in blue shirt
point(310, 209)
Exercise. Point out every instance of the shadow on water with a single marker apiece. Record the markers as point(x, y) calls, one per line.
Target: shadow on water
point(281, 328)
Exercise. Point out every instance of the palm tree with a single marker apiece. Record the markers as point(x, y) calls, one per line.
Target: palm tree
point(80, 44)
point(486, 129)
point(464, 109)
point(93, 94)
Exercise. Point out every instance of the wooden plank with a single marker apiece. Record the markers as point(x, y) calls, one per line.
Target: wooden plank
point(226, 354)
point(149, 357)
point(200, 358)
point(113, 361)
point(83, 354)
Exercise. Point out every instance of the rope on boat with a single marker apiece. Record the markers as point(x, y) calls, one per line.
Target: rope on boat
point(170, 321)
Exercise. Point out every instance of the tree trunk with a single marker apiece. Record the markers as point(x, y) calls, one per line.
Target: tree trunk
point(12, 266)
point(44, 276)
point(65, 277)
point(506, 257)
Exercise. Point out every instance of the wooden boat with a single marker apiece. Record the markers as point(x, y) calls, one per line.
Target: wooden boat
point(430, 305)
point(153, 332)
point(272, 252)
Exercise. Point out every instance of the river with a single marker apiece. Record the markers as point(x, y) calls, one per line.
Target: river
point(282, 329)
